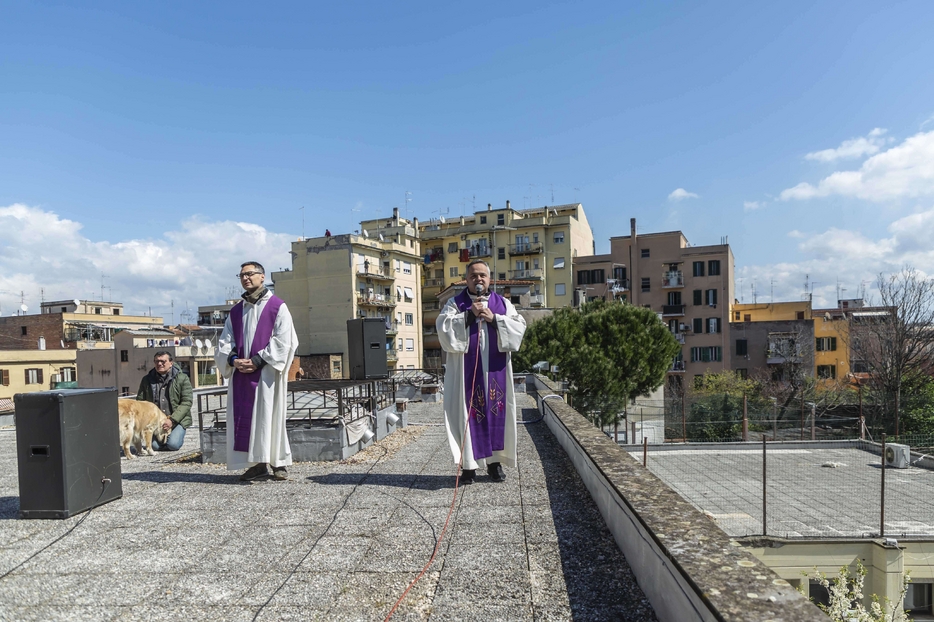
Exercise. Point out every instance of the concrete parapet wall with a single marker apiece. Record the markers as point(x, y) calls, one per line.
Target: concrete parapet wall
point(687, 566)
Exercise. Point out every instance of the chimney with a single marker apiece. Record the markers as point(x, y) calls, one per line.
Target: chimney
point(395, 216)
point(507, 203)
point(489, 207)
point(632, 229)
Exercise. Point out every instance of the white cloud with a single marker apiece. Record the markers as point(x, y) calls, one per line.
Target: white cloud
point(842, 256)
point(192, 265)
point(904, 171)
point(927, 122)
point(853, 148)
point(680, 194)
point(753, 205)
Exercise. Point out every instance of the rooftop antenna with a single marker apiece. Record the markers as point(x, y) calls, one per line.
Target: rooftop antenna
point(41, 295)
point(302, 208)
point(408, 199)
point(552, 194)
point(173, 312)
point(771, 290)
point(474, 203)
point(103, 276)
point(754, 298)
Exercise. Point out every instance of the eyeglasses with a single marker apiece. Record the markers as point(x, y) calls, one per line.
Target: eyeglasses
point(160, 362)
point(247, 274)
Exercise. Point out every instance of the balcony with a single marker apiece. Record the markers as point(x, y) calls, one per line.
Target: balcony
point(479, 252)
point(434, 283)
point(534, 274)
point(617, 286)
point(434, 305)
point(375, 273)
point(673, 279)
point(392, 355)
point(434, 256)
point(430, 330)
point(536, 300)
point(526, 248)
point(393, 327)
point(672, 310)
point(677, 367)
point(679, 337)
point(376, 300)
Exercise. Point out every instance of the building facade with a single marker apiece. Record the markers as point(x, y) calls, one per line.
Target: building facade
point(530, 253)
point(376, 273)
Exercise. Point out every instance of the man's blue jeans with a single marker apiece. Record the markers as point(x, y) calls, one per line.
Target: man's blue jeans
point(173, 442)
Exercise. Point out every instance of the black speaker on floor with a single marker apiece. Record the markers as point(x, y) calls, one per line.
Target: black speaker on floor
point(366, 348)
point(68, 450)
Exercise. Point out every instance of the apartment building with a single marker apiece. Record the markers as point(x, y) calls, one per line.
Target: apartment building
point(373, 273)
point(530, 253)
point(690, 287)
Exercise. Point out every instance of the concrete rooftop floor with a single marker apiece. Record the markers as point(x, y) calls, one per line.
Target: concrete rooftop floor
point(805, 498)
point(337, 541)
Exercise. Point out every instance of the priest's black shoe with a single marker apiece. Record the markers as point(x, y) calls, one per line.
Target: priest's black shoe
point(467, 476)
point(495, 471)
point(255, 472)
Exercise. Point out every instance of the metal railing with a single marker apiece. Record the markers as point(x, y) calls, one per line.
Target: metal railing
point(535, 273)
point(526, 248)
point(673, 279)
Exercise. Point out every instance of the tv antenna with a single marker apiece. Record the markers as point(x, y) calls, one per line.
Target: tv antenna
point(408, 199)
point(302, 208)
point(103, 276)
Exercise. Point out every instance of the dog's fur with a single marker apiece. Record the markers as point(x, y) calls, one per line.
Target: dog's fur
point(139, 422)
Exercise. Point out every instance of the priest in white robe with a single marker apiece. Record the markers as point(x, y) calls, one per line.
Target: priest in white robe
point(255, 352)
point(479, 329)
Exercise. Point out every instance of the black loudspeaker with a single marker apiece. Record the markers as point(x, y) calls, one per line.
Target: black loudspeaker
point(366, 348)
point(68, 449)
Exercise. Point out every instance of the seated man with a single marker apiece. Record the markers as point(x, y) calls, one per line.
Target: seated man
point(169, 388)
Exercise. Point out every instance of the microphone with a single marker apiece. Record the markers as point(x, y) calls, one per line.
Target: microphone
point(479, 289)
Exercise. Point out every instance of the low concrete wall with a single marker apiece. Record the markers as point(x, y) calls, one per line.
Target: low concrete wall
point(688, 568)
point(309, 442)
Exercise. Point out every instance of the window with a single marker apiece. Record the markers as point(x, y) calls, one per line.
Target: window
point(409, 345)
point(559, 237)
point(799, 315)
point(68, 374)
point(826, 344)
point(918, 598)
point(706, 354)
point(97, 310)
point(5, 377)
point(336, 366)
point(712, 297)
point(559, 289)
point(827, 371)
point(483, 220)
point(559, 263)
point(400, 343)
point(116, 311)
point(33, 376)
point(644, 253)
point(452, 271)
point(646, 284)
point(535, 238)
point(713, 267)
point(501, 276)
point(598, 276)
point(501, 253)
point(742, 372)
point(736, 316)
point(409, 319)
point(619, 273)
point(674, 298)
point(439, 273)
point(64, 309)
point(124, 356)
point(698, 297)
point(398, 264)
point(124, 390)
point(747, 317)
point(452, 247)
point(406, 267)
point(859, 367)
point(23, 330)
point(742, 347)
point(583, 277)
point(501, 219)
point(698, 268)
point(698, 325)
point(408, 293)
point(713, 325)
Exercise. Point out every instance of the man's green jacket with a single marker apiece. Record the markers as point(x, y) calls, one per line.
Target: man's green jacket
point(179, 393)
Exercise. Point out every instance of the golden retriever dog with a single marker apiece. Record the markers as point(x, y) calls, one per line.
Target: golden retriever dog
point(139, 423)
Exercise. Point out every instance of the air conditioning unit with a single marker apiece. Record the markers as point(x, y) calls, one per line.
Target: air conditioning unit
point(897, 456)
point(684, 327)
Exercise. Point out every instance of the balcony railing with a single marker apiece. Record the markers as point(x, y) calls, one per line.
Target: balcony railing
point(434, 305)
point(434, 256)
point(376, 300)
point(535, 274)
point(618, 286)
point(374, 272)
point(434, 282)
point(478, 252)
point(536, 300)
point(393, 327)
point(673, 279)
point(392, 354)
point(677, 367)
point(526, 248)
point(672, 310)
point(430, 330)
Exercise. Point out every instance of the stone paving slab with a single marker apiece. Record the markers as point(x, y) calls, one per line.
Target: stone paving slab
point(337, 541)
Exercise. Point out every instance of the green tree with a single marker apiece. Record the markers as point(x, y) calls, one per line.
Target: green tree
point(610, 352)
point(717, 405)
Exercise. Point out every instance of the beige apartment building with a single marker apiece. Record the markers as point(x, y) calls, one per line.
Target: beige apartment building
point(691, 288)
point(530, 253)
point(374, 273)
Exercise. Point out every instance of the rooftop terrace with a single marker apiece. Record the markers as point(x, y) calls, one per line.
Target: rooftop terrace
point(337, 541)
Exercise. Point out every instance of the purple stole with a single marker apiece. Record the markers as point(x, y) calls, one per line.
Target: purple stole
point(485, 401)
point(244, 385)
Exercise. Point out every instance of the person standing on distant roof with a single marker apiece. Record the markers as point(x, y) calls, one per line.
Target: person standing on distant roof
point(169, 388)
point(479, 329)
point(255, 351)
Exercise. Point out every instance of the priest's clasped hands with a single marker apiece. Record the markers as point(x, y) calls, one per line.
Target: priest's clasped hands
point(482, 312)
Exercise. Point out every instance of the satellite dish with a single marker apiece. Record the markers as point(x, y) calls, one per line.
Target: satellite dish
point(207, 343)
point(23, 308)
point(77, 302)
point(380, 237)
point(441, 219)
point(366, 233)
point(198, 343)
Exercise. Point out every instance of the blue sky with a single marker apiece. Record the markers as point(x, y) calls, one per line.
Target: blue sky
point(159, 143)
